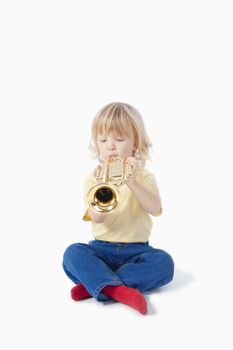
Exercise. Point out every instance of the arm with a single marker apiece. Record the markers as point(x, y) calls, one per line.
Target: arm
point(149, 201)
point(96, 217)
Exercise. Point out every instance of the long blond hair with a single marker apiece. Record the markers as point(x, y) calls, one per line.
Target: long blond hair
point(125, 120)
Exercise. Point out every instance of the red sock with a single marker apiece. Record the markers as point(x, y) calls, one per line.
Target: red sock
point(79, 292)
point(128, 296)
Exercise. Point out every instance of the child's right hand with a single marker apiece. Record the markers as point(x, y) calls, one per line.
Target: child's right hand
point(96, 171)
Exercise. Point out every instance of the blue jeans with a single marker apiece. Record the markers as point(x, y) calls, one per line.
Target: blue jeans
point(99, 263)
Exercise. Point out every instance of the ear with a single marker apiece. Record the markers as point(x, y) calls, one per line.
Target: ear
point(135, 146)
point(134, 149)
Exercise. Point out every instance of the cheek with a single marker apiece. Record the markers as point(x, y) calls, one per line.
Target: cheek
point(100, 150)
point(127, 149)
point(100, 145)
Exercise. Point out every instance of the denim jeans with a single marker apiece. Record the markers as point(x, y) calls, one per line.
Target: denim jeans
point(99, 263)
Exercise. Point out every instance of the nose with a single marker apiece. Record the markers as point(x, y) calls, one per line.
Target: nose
point(110, 145)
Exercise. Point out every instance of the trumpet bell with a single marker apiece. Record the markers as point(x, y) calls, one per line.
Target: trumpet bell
point(103, 198)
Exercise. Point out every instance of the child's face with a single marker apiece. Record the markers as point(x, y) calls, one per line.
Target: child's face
point(113, 144)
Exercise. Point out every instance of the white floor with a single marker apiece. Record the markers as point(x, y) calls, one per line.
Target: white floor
point(182, 315)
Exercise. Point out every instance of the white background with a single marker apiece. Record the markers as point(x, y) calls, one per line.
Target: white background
point(61, 61)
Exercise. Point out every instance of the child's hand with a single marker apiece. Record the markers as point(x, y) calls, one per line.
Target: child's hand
point(96, 171)
point(135, 164)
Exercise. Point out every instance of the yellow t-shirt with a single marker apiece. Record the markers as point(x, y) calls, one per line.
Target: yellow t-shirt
point(130, 223)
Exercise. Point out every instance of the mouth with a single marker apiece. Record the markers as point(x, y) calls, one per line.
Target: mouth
point(112, 155)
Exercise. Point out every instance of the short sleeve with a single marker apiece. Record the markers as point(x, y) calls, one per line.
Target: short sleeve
point(148, 180)
point(89, 182)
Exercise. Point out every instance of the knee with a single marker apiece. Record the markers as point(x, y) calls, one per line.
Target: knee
point(72, 251)
point(164, 263)
point(168, 265)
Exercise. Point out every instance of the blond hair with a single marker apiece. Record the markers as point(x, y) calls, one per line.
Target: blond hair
point(124, 120)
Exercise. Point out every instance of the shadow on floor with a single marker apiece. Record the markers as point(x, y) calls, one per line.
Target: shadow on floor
point(180, 280)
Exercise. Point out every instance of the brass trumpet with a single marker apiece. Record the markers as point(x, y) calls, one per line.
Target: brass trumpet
point(104, 196)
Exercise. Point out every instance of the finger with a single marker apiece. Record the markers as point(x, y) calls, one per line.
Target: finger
point(131, 161)
point(98, 170)
point(95, 171)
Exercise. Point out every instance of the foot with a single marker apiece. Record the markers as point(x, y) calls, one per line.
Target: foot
point(79, 292)
point(126, 295)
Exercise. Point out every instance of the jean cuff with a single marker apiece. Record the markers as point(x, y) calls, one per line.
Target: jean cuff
point(102, 297)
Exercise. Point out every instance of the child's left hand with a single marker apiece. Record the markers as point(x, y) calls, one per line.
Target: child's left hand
point(135, 163)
